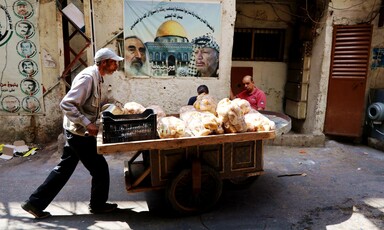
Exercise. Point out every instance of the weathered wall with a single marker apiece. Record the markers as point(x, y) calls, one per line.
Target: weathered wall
point(268, 76)
point(50, 125)
point(169, 92)
point(172, 93)
point(318, 81)
point(376, 75)
point(339, 12)
point(271, 78)
point(41, 128)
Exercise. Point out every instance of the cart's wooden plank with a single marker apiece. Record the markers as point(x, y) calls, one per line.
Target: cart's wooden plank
point(141, 177)
point(144, 189)
point(170, 143)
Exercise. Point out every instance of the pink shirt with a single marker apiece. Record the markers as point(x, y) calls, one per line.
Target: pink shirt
point(257, 98)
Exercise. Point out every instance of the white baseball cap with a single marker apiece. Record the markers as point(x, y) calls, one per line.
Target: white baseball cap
point(106, 53)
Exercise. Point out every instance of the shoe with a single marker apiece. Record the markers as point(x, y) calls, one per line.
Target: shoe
point(38, 214)
point(105, 208)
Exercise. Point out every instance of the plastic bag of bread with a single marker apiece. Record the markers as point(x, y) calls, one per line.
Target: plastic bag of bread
point(133, 108)
point(195, 128)
point(257, 122)
point(210, 121)
point(188, 115)
point(222, 109)
point(231, 116)
point(114, 109)
point(158, 110)
point(244, 105)
point(201, 123)
point(170, 127)
point(186, 108)
point(205, 102)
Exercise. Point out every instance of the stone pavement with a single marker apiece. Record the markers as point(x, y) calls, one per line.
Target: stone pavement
point(335, 186)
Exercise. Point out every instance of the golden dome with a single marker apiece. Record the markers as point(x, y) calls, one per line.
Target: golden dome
point(171, 28)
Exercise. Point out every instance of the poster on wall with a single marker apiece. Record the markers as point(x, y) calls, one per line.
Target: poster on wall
point(172, 38)
point(20, 75)
point(377, 58)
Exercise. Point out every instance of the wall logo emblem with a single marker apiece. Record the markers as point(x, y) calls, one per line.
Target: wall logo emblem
point(6, 26)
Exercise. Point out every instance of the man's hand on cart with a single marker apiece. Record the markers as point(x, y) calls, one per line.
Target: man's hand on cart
point(92, 130)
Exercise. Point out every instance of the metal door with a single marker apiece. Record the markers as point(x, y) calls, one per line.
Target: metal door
point(348, 74)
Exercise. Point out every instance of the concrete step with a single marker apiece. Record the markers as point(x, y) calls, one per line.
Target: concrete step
point(298, 140)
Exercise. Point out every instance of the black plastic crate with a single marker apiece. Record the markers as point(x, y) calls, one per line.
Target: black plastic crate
point(132, 127)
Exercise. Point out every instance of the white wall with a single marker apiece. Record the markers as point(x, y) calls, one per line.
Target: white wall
point(318, 80)
point(168, 92)
point(40, 128)
point(173, 93)
point(339, 12)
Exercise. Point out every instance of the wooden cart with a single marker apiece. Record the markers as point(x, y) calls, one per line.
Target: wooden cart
point(192, 169)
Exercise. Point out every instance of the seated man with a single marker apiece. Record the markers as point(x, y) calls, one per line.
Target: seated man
point(201, 89)
point(256, 97)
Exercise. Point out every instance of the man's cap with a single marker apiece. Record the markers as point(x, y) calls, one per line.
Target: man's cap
point(106, 53)
point(206, 41)
point(21, 3)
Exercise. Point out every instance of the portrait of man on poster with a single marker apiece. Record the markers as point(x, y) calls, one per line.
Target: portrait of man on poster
point(24, 29)
point(28, 68)
point(29, 86)
point(135, 56)
point(31, 104)
point(26, 49)
point(205, 57)
point(10, 104)
point(22, 8)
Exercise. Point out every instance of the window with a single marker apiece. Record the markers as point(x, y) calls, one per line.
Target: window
point(258, 44)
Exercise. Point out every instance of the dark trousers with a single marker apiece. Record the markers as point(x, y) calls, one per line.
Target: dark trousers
point(76, 148)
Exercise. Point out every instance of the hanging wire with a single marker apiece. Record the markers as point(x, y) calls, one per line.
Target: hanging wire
point(308, 14)
point(346, 8)
point(274, 5)
point(371, 15)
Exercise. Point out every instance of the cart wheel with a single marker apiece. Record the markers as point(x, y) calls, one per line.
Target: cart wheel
point(182, 198)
